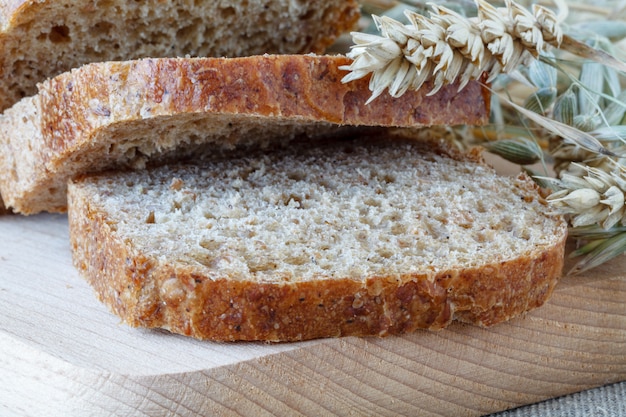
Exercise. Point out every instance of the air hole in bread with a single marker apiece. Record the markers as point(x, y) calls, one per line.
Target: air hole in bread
point(348, 149)
point(59, 34)
point(102, 28)
point(293, 200)
point(308, 15)
point(296, 175)
point(228, 12)
point(204, 259)
point(258, 265)
point(297, 260)
point(398, 229)
point(185, 35)
point(326, 184)
point(405, 242)
point(386, 178)
point(210, 245)
point(395, 216)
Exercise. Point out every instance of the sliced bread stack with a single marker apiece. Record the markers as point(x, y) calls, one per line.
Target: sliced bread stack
point(44, 38)
point(131, 113)
point(260, 198)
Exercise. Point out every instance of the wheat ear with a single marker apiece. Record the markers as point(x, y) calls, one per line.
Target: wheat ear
point(448, 47)
point(592, 194)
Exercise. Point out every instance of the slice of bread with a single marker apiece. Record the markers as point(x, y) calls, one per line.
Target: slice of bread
point(43, 38)
point(127, 113)
point(363, 237)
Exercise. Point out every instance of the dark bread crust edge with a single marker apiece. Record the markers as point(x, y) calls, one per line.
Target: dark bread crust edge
point(145, 293)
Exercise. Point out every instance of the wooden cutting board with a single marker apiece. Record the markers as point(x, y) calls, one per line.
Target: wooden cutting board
point(62, 353)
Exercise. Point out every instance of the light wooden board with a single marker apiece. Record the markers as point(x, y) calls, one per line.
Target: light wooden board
point(62, 353)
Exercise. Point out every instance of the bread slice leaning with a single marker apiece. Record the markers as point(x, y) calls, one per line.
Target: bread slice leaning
point(369, 236)
point(129, 113)
point(44, 38)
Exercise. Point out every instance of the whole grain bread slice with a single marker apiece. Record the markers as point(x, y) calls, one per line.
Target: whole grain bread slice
point(127, 113)
point(41, 39)
point(372, 236)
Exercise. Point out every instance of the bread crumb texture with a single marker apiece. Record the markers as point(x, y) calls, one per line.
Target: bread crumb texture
point(40, 39)
point(354, 213)
point(394, 212)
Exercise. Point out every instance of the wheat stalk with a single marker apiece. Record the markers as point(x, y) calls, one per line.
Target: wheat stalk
point(448, 47)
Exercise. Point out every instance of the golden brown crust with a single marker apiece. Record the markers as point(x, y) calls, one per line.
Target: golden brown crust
point(146, 293)
point(80, 113)
point(305, 87)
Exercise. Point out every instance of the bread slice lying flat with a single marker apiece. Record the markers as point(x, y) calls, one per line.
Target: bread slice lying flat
point(361, 237)
point(43, 38)
point(128, 113)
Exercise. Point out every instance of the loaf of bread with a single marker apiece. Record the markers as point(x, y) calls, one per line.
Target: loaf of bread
point(130, 113)
point(367, 236)
point(43, 38)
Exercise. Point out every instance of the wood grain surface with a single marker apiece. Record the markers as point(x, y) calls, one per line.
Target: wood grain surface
point(62, 353)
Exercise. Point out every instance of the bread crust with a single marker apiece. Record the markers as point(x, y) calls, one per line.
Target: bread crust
point(79, 117)
point(147, 293)
point(303, 87)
